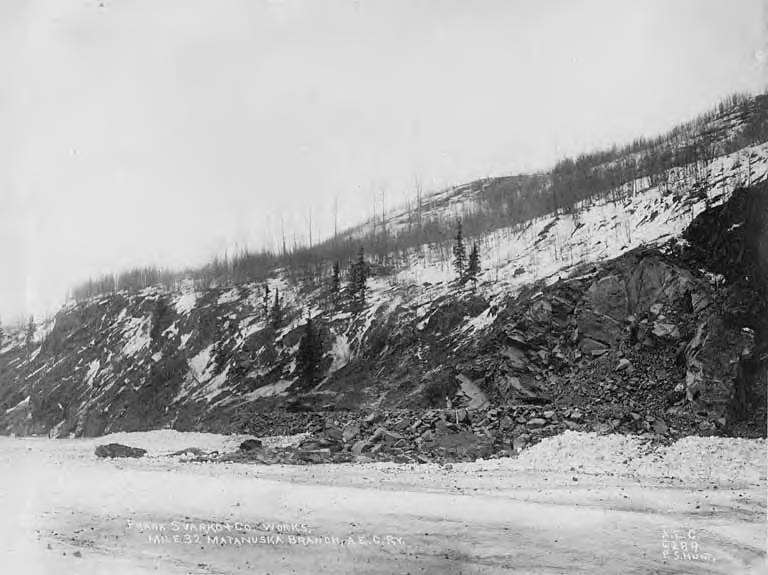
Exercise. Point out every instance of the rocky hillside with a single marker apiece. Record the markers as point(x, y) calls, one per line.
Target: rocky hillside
point(642, 310)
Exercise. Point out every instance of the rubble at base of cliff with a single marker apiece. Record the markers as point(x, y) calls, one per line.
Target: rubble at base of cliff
point(442, 436)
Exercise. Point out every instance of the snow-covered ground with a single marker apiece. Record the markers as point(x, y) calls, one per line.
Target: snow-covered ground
point(637, 213)
point(577, 503)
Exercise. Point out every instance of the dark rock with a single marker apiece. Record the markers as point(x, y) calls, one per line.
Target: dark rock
point(189, 451)
point(506, 423)
point(314, 455)
point(251, 444)
point(660, 427)
point(428, 435)
point(360, 446)
point(320, 443)
point(464, 444)
point(351, 431)
point(118, 450)
point(333, 433)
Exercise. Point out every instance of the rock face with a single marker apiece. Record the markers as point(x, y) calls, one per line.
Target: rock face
point(727, 357)
point(665, 333)
point(119, 450)
point(611, 302)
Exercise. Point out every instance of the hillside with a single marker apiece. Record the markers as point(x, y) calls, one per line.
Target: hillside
point(639, 308)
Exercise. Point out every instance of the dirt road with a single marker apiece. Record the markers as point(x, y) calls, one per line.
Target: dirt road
point(66, 512)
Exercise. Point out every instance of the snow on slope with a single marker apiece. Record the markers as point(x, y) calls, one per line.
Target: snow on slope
point(201, 383)
point(597, 229)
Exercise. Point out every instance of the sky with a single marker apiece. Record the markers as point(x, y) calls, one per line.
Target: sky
point(165, 132)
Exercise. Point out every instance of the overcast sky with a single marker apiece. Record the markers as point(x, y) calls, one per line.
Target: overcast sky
point(166, 131)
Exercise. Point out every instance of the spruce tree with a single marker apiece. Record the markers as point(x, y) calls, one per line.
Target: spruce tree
point(336, 280)
point(310, 355)
point(459, 253)
point(473, 266)
point(30, 334)
point(265, 299)
point(358, 279)
point(276, 313)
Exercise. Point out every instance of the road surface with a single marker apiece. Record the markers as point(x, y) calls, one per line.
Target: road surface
point(66, 512)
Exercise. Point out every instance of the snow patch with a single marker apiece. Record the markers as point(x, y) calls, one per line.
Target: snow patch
point(341, 352)
point(199, 364)
point(137, 335)
point(269, 390)
point(186, 302)
point(228, 297)
point(481, 321)
point(22, 404)
point(93, 370)
point(184, 340)
point(171, 331)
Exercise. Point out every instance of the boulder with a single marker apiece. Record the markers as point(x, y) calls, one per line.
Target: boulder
point(350, 432)
point(319, 443)
point(665, 331)
point(599, 332)
point(333, 432)
point(608, 297)
point(119, 450)
point(624, 365)
point(251, 444)
point(576, 415)
point(463, 444)
point(314, 455)
point(188, 452)
point(654, 283)
point(506, 423)
point(360, 446)
point(659, 427)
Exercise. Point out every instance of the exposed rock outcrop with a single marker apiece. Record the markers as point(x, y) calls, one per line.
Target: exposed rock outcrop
point(661, 338)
